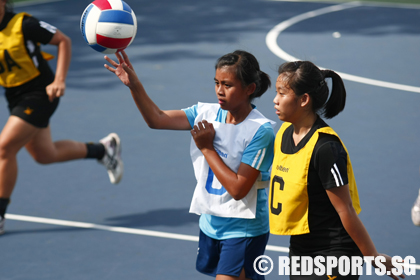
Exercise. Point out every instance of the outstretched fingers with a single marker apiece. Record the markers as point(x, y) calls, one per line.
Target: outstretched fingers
point(112, 62)
point(126, 59)
point(119, 57)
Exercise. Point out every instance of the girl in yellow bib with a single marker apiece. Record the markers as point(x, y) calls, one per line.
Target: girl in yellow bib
point(313, 194)
point(33, 92)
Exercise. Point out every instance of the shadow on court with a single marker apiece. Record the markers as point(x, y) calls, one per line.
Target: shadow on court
point(161, 217)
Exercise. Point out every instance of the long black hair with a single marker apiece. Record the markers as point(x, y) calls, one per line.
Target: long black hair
point(305, 77)
point(247, 71)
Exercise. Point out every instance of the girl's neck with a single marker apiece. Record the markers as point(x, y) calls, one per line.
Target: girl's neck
point(238, 116)
point(303, 126)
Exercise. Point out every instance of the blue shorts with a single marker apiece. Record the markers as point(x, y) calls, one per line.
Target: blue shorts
point(229, 256)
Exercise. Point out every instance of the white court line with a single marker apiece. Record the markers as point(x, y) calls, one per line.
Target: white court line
point(271, 41)
point(119, 229)
point(128, 230)
point(101, 227)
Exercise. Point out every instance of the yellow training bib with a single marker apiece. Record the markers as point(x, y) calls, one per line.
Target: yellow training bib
point(288, 199)
point(16, 66)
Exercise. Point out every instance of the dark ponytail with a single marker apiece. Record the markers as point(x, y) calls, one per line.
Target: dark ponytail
point(337, 100)
point(305, 77)
point(247, 71)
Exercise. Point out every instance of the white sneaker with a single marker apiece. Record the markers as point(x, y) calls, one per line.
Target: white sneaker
point(112, 158)
point(415, 211)
point(2, 221)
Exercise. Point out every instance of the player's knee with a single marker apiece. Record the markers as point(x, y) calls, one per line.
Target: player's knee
point(7, 150)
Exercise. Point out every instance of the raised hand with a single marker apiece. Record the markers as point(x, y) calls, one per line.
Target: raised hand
point(123, 69)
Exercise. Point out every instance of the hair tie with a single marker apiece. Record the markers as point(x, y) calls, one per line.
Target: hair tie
point(322, 83)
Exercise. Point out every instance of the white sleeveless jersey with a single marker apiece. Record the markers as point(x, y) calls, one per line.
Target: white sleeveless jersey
point(230, 141)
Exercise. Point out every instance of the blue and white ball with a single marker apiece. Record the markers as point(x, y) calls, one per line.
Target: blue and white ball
point(108, 26)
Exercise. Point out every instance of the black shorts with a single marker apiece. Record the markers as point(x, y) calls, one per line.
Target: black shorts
point(339, 252)
point(35, 109)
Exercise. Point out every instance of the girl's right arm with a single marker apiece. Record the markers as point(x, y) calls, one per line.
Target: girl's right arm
point(341, 200)
point(152, 114)
point(58, 86)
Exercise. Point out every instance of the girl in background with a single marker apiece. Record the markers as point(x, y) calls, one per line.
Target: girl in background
point(33, 92)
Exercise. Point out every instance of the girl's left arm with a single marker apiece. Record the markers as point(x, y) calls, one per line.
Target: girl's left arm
point(341, 200)
point(236, 184)
point(58, 86)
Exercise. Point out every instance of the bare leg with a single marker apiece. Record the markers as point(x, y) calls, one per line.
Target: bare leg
point(15, 134)
point(45, 151)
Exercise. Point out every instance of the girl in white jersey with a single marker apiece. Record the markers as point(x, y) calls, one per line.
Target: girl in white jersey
point(231, 149)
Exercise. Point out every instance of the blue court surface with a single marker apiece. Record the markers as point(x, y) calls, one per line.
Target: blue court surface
point(66, 221)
